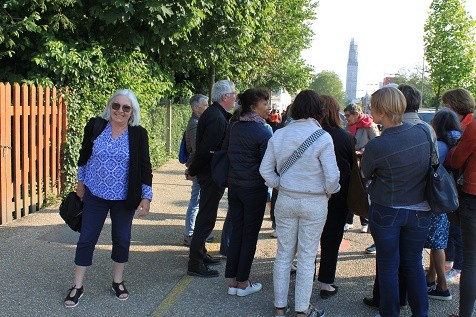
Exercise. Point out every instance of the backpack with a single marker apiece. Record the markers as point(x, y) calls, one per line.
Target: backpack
point(182, 154)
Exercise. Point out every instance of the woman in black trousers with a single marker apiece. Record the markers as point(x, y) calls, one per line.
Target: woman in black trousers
point(247, 192)
point(333, 232)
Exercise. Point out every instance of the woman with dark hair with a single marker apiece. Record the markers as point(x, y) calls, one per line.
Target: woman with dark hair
point(462, 103)
point(305, 182)
point(464, 155)
point(395, 165)
point(248, 139)
point(334, 228)
point(447, 128)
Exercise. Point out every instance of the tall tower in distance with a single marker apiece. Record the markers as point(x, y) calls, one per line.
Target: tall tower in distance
point(352, 69)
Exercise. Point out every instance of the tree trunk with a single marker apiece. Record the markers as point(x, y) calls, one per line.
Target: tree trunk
point(211, 77)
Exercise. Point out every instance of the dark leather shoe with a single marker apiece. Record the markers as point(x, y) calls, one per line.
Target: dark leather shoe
point(209, 260)
point(370, 301)
point(326, 294)
point(202, 271)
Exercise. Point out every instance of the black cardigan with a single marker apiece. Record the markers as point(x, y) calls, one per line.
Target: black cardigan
point(140, 169)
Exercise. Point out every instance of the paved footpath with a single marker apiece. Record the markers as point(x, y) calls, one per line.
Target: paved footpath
point(36, 263)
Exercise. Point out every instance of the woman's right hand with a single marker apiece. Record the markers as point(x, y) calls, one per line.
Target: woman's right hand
point(80, 189)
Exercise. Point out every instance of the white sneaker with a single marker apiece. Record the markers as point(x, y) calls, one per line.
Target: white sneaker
point(232, 290)
point(252, 288)
point(348, 226)
point(274, 234)
point(364, 229)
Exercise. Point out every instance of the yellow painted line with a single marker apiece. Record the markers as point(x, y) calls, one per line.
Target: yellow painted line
point(171, 298)
point(179, 288)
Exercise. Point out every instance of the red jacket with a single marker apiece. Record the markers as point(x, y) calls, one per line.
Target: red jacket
point(464, 155)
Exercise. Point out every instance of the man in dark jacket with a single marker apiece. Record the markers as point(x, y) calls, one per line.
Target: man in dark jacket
point(211, 131)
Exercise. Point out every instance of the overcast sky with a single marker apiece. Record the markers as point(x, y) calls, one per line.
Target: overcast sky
point(389, 35)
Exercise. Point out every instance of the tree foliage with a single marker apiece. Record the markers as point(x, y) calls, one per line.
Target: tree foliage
point(450, 46)
point(157, 48)
point(423, 84)
point(191, 42)
point(328, 83)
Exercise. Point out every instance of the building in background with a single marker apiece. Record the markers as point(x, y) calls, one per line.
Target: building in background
point(280, 99)
point(352, 70)
point(388, 79)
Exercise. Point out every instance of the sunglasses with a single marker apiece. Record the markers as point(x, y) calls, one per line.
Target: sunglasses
point(117, 106)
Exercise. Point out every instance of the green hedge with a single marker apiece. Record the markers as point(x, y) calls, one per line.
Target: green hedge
point(155, 121)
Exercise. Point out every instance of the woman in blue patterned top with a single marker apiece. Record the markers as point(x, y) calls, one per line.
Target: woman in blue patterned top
point(115, 176)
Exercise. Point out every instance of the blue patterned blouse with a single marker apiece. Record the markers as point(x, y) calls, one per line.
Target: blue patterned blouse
point(107, 170)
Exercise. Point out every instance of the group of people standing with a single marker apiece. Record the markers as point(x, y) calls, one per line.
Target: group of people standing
point(309, 162)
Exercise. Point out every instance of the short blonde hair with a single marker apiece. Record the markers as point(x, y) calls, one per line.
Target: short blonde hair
point(389, 101)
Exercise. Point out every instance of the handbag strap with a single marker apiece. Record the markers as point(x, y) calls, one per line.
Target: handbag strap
point(432, 148)
point(297, 154)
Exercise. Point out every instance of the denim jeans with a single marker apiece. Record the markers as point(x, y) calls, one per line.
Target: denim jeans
point(192, 210)
point(468, 272)
point(399, 236)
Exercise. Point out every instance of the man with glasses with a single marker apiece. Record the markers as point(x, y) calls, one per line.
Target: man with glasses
point(211, 131)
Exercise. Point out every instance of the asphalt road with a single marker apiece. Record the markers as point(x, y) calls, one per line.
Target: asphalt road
point(36, 264)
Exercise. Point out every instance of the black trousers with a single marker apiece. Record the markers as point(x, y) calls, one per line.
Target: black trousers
point(210, 195)
point(246, 212)
point(331, 237)
point(350, 219)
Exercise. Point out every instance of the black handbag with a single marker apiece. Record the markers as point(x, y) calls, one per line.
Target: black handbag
point(219, 166)
point(440, 190)
point(71, 210)
point(357, 198)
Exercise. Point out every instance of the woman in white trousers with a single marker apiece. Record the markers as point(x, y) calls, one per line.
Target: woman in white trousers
point(301, 208)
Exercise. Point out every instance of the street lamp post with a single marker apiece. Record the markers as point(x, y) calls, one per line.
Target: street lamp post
point(422, 75)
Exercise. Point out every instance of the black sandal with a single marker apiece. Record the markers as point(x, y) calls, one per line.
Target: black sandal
point(75, 298)
point(116, 288)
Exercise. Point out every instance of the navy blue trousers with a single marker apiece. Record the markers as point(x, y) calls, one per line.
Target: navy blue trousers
point(94, 214)
point(246, 213)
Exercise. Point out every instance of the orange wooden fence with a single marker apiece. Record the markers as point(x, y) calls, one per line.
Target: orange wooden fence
point(32, 132)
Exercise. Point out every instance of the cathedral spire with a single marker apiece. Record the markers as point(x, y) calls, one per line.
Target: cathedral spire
point(352, 69)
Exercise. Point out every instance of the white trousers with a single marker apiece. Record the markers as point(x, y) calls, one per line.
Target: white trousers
point(299, 223)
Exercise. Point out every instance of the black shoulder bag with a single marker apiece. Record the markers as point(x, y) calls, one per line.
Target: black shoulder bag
point(440, 190)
